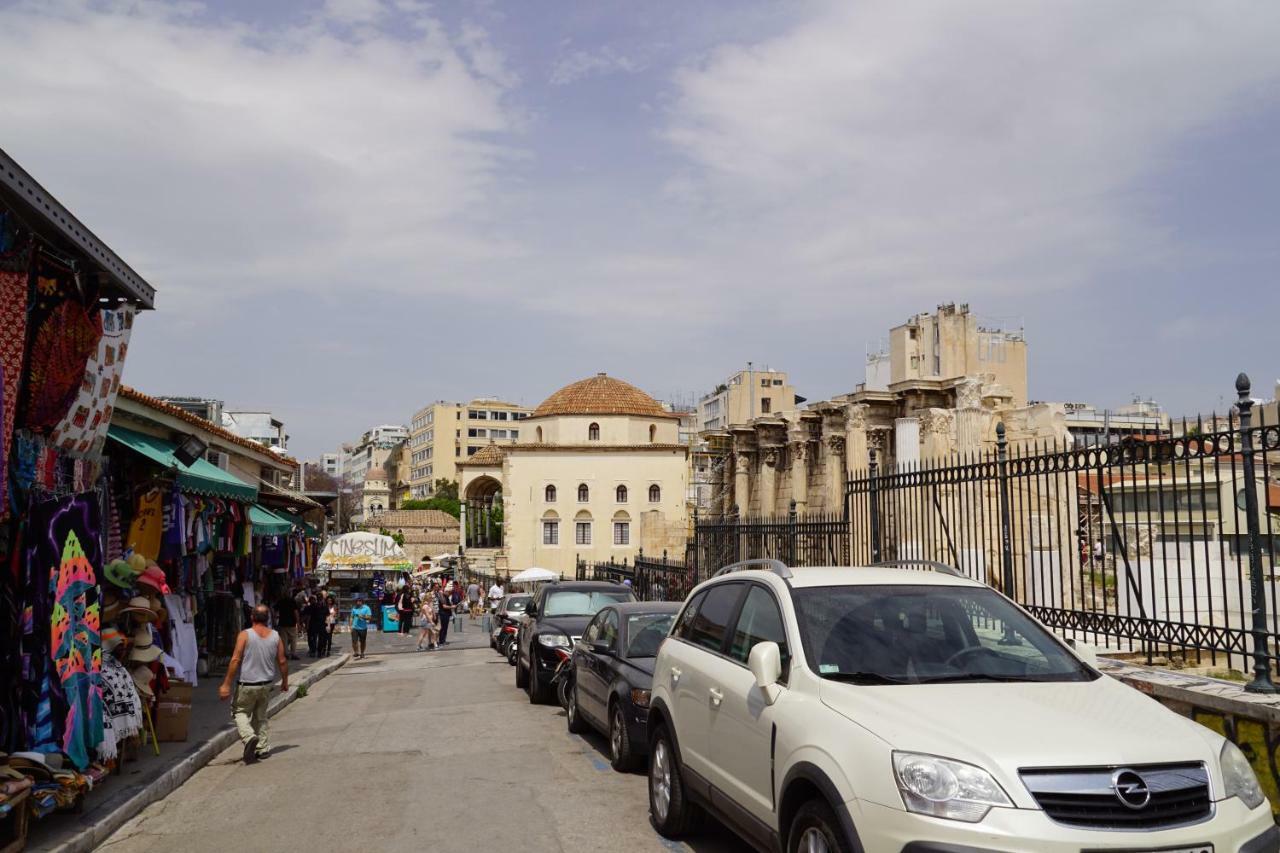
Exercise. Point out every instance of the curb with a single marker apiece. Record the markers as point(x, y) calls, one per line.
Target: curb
point(169, 781)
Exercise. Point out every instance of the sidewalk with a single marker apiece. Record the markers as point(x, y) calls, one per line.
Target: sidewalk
point(151, 777)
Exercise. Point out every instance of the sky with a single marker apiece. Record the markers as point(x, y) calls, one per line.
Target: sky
point(350, 208)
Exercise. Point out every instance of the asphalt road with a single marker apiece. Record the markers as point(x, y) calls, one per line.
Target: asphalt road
point(431, 751)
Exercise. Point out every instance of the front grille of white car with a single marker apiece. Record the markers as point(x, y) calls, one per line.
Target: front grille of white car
point(1142, 797)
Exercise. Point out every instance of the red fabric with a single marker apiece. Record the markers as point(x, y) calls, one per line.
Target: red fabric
point(60, 348)
point(13, 338)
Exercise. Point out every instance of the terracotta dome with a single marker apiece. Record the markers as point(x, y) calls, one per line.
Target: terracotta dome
point(601, 395)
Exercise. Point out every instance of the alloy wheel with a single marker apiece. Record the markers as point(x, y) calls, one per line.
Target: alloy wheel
point(615, 735)
point(660, 780)
point(813, 841)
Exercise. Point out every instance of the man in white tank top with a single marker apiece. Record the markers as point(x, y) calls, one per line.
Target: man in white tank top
point(259, 659)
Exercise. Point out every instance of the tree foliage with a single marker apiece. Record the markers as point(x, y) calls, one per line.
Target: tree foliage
point(446, 489)
point(449, 505)
point(398, 538)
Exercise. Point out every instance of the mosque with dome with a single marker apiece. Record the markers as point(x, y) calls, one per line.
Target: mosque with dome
point(598, 472)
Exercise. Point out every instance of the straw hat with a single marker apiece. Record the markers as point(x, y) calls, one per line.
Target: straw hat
point(144, 650)
point(139, 608)
point(37, 764)
point(155, 605)
point(111, 637)
point(142, 680)
point(154, 578)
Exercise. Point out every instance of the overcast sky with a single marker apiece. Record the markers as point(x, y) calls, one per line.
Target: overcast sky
point(353, 207)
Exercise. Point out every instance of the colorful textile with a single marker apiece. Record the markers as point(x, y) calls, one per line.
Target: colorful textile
point(77, 651)
point(122, 709)
point(61, 346)
point(13, 338)
point(147, 525)
point(84, 428)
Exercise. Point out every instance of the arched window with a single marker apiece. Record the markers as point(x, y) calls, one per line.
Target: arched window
point(655, 493)
point(539, 435)
point(550, 494)
point(622, 494)
point(593, 432)
point(653, 433)
point(584, 494)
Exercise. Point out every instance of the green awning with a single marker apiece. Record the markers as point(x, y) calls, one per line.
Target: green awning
point(267, 523)
point(307, 530)
point(200, 477)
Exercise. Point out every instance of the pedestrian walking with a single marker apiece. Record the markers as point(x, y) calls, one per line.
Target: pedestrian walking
point(258, 660)
point(287, 623)
point(316, 613)
point(473, 599)
point(457, 596)
point(405, 605)
point(495, 594)
point(444, 603)
point(330, 625)
point(430, 622)
point(361, 615)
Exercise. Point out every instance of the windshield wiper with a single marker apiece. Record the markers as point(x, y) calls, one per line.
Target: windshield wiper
point(983, 676)
point(863, 678)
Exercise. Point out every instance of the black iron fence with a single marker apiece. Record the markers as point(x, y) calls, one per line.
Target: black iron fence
point(1161, 544)
point(652, 579)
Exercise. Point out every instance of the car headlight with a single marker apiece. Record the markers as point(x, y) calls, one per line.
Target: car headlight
point(639, 698)
point(1238, 778)
point(553, 641)
point(944, 788)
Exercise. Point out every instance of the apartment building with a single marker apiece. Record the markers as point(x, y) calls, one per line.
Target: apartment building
point(444, 433)
point(261, 427)
point(371, 451)
point(747, 394)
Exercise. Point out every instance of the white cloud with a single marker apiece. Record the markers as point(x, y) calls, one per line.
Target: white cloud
point(981, 146)
point(222, 160)
point(577, 64)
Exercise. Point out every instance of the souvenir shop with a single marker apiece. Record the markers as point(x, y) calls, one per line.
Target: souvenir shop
point(70, 690)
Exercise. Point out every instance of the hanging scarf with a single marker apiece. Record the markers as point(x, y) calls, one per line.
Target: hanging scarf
point(13, 336)
point(77, 651)
point(122, 708)
point(65, 329)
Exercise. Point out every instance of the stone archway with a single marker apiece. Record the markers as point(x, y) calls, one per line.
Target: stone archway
point(484, 517)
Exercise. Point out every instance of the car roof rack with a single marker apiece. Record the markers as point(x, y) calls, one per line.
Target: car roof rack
point(778, 567)
point(927, 564)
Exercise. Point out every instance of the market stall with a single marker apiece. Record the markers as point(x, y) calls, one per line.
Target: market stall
point(361, 563)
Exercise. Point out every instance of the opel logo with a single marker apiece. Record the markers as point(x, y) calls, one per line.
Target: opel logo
point(1131, 789)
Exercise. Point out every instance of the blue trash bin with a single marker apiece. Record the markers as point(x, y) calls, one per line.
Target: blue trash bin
point(390, 619)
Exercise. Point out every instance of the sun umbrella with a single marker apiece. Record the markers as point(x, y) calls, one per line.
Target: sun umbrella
point(535, 575)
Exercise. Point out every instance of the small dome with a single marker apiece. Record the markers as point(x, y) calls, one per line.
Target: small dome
point(601, 395)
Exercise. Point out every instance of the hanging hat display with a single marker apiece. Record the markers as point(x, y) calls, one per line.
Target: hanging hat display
point(111, 638)
point(144, 649)
point(154, 577)
point(142, 680)
point(112, 604)
point(139, 608)
point(120, 573)
point(157, 606)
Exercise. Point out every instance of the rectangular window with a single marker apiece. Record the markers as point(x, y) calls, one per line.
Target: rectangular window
point(498, 416)
point(766, 405)
point(476, 433)
point(477, 415)
point(622, 533)
point(582, 533)
point(764, 383)
point(457, 451)
point(777, 382)
point(550, 533)
point(515, 433)
point(472, 450)
point(497, 433)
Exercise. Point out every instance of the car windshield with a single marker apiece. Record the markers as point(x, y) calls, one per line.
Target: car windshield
point(645, 632)
point(926, 634)
point(517, 605)
point(573, 602)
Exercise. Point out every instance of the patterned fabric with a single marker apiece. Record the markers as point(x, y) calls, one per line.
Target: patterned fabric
point(122, 709)
point(13, 337)
point(60, 348)
point(76, 647)
point(84, 428)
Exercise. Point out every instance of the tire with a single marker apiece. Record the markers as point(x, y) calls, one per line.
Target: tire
point(537, 690)
point(572, 717)
point(522, 677)
point(563, 688)
point(680, 817)
point(621, 755)
point(815, 830)
point(512, 650)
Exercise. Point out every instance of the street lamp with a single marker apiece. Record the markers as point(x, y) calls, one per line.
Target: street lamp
point(191, 448)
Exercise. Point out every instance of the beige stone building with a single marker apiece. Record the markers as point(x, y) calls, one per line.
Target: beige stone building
point(948, 345)
point(427, 532)
point(744, 396)
point(442, 434)
point(598, 472)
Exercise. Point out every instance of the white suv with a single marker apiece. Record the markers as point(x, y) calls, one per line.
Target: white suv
point(888, 710)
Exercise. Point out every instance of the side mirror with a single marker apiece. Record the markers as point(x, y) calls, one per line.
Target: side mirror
point(531, 611)
point(600, 647)
point(765, 663)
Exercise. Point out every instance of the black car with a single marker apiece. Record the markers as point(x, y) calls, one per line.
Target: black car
point(507, 615)
point(613, 673)
point(555, 619)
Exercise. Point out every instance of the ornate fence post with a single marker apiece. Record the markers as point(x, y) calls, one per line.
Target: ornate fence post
point(693, 558)
point(1006, 525)
point(791, 534)
point(874, 476)
point(1261, 658)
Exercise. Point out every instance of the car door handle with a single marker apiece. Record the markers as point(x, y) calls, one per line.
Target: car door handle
point(676, 672)
point(716, 697)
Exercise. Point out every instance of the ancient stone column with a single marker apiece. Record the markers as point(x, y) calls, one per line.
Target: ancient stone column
point(907, 441)
point(937, 425)
point(800, 475)
point(971, 418)
point(855, 436)
point(768, 480)
point(836, 468)
point(742, 481)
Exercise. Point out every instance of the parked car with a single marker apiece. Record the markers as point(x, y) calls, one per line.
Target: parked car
point(881, 709)
point(506, 618)
point(556, 618)
point(612, 674)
